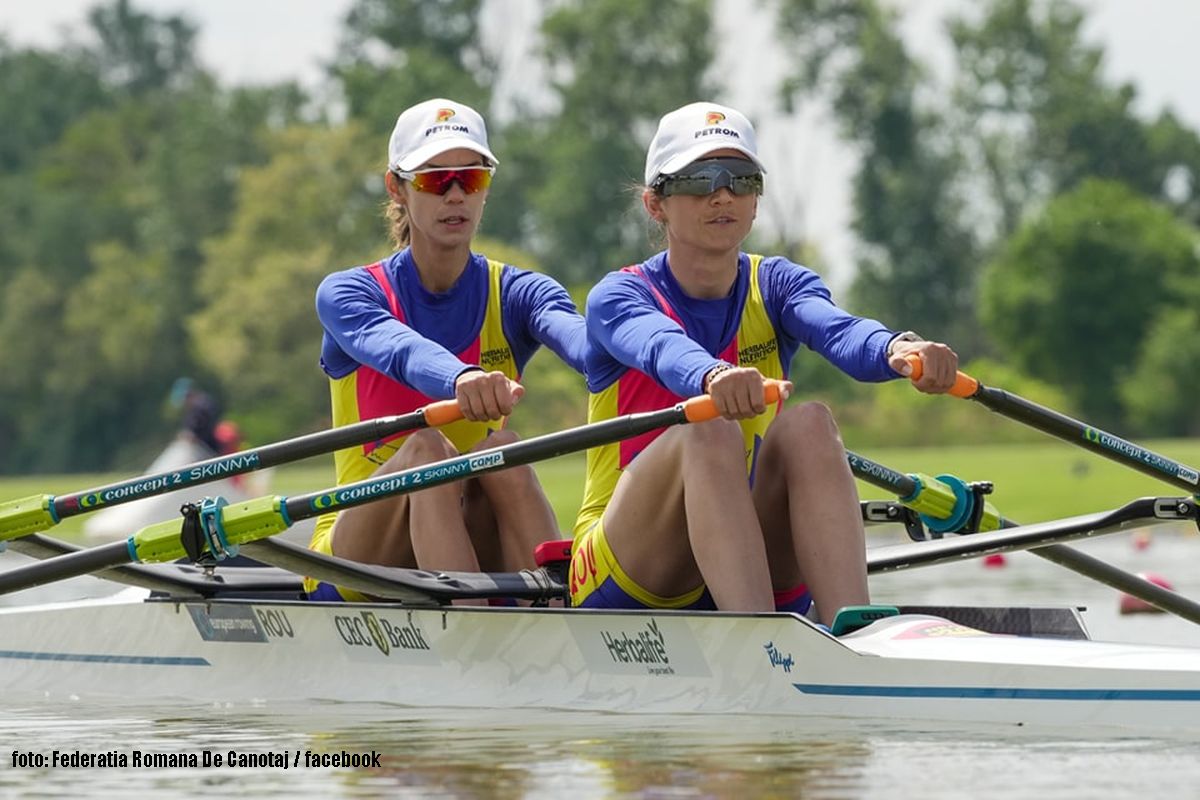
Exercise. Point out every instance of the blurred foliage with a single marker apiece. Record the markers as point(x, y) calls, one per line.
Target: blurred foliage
point(614, 68)
point(917, 265)
point(396, 53)
point(313, 208)
point(1075, 291)
point(155, 223)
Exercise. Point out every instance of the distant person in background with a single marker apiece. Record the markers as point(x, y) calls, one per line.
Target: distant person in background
point(200, 413)
point(436, 321)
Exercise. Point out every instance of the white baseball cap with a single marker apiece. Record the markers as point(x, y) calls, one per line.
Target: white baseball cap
point(431, 128)
point(687, 133)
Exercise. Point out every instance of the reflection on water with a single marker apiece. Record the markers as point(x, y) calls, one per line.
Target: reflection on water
point(534, 753)
point(454, 753)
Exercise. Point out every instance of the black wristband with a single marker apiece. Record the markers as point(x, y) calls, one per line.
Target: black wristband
point(724, 366)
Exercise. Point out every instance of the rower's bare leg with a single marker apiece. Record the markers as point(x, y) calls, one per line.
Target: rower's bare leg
point(523, 517)
point(807, 503)
point(682, 515)
point(423, 529)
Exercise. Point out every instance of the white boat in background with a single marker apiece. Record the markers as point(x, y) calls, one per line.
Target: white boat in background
point(912, 667)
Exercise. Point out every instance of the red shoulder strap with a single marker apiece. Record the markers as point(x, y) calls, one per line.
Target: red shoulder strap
point(378, 274)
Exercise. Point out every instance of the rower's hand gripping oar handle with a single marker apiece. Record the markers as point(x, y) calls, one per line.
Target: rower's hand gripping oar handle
point(964, 384)
point(702, 408)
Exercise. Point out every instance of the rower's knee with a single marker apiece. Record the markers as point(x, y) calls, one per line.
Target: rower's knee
point(422, 447)
point(498, 438)
point(809, 422)
point(714, 440)
point(512, 479)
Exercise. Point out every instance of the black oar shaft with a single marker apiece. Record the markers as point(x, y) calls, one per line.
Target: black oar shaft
point(81, 562)
point(1122, 581)
point(1100, 442)
point(877, 474)
point(1070, 430)
point(511, 455)
point(270, 455)
point(903, 485)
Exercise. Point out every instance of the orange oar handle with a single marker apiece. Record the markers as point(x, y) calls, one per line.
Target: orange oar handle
point(442, 412)
point(702, 408)
point(964, 384)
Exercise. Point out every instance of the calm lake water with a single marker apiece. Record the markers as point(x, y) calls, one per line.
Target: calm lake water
point(536, 753)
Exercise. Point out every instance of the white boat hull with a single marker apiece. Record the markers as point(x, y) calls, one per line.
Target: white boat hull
point(907, 668)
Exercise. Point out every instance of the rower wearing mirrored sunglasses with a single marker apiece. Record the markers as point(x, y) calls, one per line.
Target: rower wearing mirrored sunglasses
point(436, 321)
point(757, 511)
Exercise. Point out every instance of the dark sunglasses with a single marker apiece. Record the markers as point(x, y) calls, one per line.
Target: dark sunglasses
point(438, 180)
point(738, 175)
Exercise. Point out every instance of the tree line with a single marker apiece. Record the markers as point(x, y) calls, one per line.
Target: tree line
point(155, 223)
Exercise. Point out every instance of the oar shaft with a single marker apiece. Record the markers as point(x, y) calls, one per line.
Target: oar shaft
point(261, 517)
point(270, 455)
point(1100, 442)
point(1122, 581)
point(526, 451)
point(1070, 430)
point(930, 496)
point(81, 562)
point(29, 515)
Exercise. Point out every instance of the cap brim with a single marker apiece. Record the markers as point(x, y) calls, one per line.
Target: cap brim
point(422, 154)
point(697, 152)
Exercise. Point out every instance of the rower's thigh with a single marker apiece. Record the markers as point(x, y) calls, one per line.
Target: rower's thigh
point(799, 434)
point(645, 523)
point(378, 532)
point(482, 527)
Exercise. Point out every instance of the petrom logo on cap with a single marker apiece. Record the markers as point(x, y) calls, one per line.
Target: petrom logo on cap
point(444, 114)
point(713, 127)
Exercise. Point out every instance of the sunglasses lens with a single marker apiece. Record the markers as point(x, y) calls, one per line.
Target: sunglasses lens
point(439, 181)
point(701, 178)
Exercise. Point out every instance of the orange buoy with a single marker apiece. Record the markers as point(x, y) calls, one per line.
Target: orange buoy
point(995, 561)
point(1141, 539)
point(1135, 605)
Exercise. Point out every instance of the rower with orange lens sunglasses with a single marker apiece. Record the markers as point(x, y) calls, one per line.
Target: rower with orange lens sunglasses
point(438, 180)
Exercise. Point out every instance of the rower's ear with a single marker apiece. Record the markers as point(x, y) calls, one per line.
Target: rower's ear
point(394, 186)
point(653, 203)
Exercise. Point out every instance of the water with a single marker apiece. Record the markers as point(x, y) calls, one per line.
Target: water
point(535, 753)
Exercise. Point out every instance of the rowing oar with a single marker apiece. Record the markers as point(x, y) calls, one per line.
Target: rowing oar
point(948, 504)
point(1070, 430)
point(43, 511)
point(222, 528)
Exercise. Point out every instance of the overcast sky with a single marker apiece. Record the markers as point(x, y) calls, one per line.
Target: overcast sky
point(1149, 42)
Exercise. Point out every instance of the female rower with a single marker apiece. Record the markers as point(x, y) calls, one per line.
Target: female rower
point(436, 321)
point(681, 526)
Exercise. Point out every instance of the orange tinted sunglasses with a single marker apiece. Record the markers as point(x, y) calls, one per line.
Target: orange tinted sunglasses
point(438, 180)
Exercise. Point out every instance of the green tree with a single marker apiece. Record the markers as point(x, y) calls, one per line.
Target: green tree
point(1038, 112)
point(41, 94)
point(108, 213)
point(396, 53)
point(1073, 294)
point(615, 68)
point(918, 264)
point(137, 52)
point(1159, 392)
point(312, 209)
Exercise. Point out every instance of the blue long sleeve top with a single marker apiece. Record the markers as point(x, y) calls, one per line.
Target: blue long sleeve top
point(420, 352)
point(627, 328)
